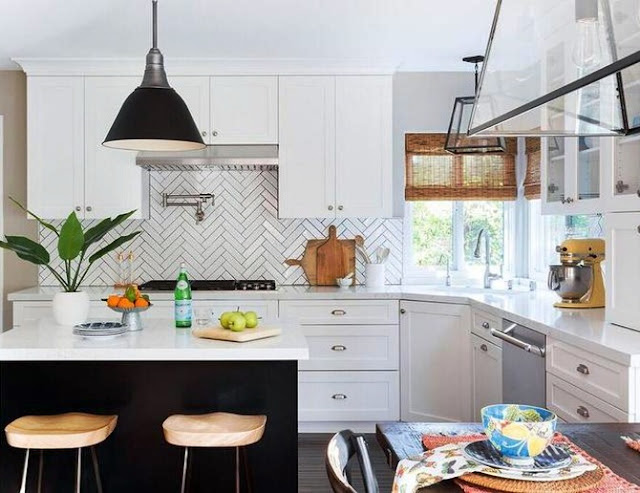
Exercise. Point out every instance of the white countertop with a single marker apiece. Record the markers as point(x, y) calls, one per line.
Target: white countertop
point(158, 341)
point(584, 328)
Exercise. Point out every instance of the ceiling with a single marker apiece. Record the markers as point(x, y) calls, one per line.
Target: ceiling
point(407, 34)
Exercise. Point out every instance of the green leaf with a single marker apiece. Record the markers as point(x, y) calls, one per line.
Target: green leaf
point(112, 246)
point(26, 249)
point(44, 224)
point(71, 238)
point(97, 232)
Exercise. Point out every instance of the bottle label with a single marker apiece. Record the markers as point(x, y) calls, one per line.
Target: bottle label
point(182, 284)
point(183, 310)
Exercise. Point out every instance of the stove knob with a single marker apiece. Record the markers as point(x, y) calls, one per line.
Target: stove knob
point(244, 287)
point(256, 286)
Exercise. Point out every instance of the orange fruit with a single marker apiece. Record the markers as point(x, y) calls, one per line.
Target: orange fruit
point(113, 300)
point(125, 303)
point(141, 303)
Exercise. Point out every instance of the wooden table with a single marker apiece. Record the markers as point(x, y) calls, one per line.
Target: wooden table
point(602, 441)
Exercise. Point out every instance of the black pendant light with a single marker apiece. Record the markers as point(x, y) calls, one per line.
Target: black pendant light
point(154, 117)
point(458, 142)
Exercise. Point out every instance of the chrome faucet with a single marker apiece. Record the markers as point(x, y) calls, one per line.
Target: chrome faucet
point(447, 281)
point(488, 276)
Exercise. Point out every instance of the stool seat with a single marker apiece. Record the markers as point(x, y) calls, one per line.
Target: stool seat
point(213, 429)
point(59, 431)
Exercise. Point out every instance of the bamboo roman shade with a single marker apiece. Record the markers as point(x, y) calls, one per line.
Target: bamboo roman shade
point(434, 174)
point(532, 176)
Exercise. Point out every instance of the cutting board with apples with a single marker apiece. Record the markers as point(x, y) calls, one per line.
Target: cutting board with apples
point(325, 260)
point(220, 334)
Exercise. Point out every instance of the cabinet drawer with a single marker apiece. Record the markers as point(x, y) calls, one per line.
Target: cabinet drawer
point(348, 396)
point(577, 406)
point(353, 347)
point(481, 324)
point(591, 373)
point(338, 312)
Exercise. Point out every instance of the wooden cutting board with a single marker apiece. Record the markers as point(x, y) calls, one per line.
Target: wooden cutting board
point(308, 260)
point(220, 334)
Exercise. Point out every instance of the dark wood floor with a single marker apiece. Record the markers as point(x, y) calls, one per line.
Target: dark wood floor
point(312, 477)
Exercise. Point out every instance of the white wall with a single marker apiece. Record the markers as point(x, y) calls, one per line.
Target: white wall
point(422, 102)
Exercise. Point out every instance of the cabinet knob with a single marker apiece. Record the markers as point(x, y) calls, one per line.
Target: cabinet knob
point(569, 200)
point(339, 397)
point(584, 369)
point(485, 325)
point(403, 311)
point(89, 208)
point(204, 133)
point(338, 348)
point(330, 207)
point(78, 208)
point(340, 207)
point(638, 229)
point(638, 192)
point(583, 411)
point(338, 313)
point(214, 133)
point(484, 347)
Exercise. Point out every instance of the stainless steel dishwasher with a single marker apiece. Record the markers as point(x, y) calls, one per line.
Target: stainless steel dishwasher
point(523, 364)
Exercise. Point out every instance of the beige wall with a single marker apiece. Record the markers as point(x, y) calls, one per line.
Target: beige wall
point(13, 106)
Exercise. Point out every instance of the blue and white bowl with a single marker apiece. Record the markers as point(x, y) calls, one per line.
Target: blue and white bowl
point(518, 432)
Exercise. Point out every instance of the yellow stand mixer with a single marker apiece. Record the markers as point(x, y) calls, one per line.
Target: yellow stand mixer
point(578, 278)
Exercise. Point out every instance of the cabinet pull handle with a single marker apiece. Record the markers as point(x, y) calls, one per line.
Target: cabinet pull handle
point(78, 208)
point(583, 411)
point(339, 397)
point(340, 207)
point(89, 208)
point(485, 325)
point(484, 347)
point(638, 229)
point(204, 133)
point(638, 192)
point(338, 313)
point(584, 369)
point(403, 311)
point(330, 207)
point(338, 348)
point(214, 133)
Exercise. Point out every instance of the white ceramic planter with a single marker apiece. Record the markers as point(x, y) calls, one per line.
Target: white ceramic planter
point(70, 308)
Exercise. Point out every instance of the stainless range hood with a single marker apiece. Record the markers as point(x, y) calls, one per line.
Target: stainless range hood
point(226, 157)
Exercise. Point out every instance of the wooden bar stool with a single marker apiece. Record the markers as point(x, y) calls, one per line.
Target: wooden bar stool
point(213, 430)
point(60, 431)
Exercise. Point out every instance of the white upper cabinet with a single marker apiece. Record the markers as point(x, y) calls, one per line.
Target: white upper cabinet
point(113, 182)
point(623, 175)
point(363, 146)
point(244, 110)
point(335, 146)
point(195, 93)
point(306, 175)
point(55, 146)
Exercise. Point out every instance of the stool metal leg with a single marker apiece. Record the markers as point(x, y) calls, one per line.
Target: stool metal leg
point(247, 470)
point(78, 471)
point(96, 469)
point(40, 467)
point(237, 469)
point(23, 485)
point(184, 470)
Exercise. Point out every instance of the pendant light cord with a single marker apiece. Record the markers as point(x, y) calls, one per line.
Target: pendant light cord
point(154, 40)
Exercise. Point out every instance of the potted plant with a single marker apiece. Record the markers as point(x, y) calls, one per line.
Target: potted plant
point(70, 306)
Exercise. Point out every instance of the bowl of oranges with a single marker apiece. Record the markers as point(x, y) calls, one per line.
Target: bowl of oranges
point(130, 304)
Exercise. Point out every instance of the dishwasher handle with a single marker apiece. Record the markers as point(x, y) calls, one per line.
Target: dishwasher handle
point(525, 346)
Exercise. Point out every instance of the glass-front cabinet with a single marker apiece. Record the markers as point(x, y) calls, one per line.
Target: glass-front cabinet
point(623, 175)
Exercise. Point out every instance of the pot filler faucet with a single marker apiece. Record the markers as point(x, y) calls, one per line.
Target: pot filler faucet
point(488, 276)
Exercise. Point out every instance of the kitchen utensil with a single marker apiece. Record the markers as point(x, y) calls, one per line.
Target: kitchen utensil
point(221, 334)
point(100, 329)
point(382, 254)
point(349, 275)
point(330, 260)
point(308, 260)
point(552, 458)
point(360, 247)
point(131, 316)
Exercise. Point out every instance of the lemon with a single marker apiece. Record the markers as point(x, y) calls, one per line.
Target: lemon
point(515, 431)
point(536, 445)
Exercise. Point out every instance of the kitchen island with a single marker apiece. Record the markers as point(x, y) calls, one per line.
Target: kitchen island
point(143, 377)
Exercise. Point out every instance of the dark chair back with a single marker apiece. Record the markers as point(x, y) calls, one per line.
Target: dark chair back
point(342, 447)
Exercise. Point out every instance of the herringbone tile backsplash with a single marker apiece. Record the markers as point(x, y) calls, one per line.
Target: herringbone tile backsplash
point(240, 238)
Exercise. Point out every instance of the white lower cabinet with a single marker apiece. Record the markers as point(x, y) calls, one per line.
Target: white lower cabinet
point(435, 355)
point(486, 363)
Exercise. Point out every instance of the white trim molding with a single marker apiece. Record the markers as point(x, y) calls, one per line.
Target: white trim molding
point(204, 66)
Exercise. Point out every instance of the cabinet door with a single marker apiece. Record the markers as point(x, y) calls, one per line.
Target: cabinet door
point(55, 146)
point(244, 110)
point(363, 146)
point(623, 268)
point(195, 93)
point(113, 182)
point(623, 173)
point(487, 375)
point(435, 354)
point(306, 176)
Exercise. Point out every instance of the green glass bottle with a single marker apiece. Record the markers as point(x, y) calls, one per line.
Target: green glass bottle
point(182, 300)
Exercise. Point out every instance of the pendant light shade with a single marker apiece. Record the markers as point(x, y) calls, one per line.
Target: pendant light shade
point(154, 117)
point(458, 142)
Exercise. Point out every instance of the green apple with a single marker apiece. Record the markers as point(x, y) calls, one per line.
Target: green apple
point(237, 322)
point(224, 319)
point(252, 319)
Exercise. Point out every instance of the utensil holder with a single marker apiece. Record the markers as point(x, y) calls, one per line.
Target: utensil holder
point(374, 275)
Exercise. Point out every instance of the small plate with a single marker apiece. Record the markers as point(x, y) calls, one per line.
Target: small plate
point(100, 329)
point(552, 459)
point(561, 474)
